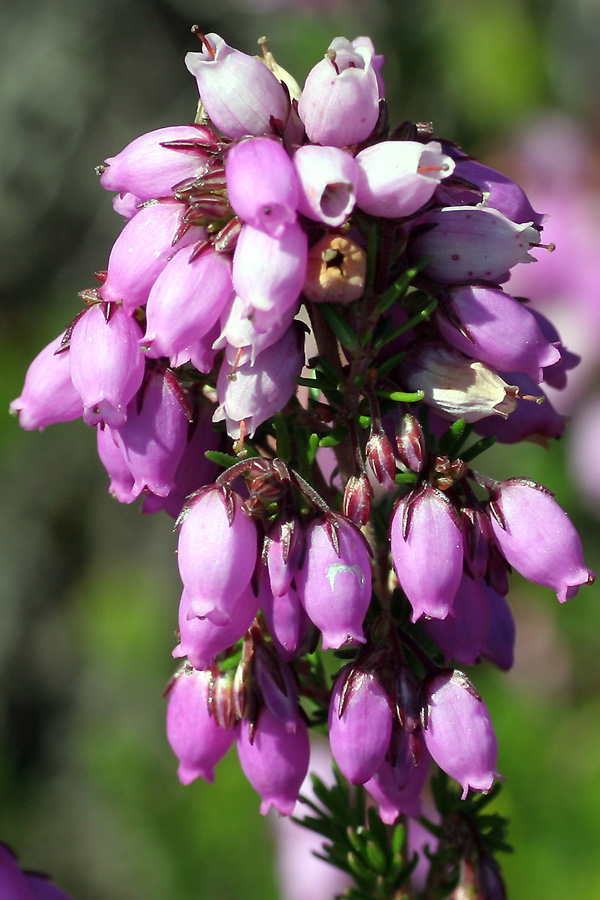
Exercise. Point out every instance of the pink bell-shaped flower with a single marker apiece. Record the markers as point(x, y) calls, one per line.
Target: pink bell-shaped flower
point(328, 178)
point(334, 583)
point(339, 104)
point(252, 392)
point(268, 272)
point(396, 178)
point(360, 724)
point(185, 302)
point(194, 735)
point(286, 619)
point(154, 436)
point(274, 760)
point(48, 395)
point(262, 185)
point(107, 365)
point(216, 553)
point(149, 168)
point(239, 93)
point(537, 537)
point(201, 640)
point(422, 520)
point(143, 249)
point(397, 785)
point(458, 731)
point(462, 635)
point(110, 451)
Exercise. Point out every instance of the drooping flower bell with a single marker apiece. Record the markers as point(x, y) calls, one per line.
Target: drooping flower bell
point(537, 537)
point(458, 731)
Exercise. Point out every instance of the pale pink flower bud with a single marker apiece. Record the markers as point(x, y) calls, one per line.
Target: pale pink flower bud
point(274, 760)
point(328, 178)
point(458, 731)
point(217, 552)
point(262, 185)
point(107, 365)
point(334, 583)
point(422, 519)
point(396, 178)
point(360, 724)
point(48, 395)
point(142, 250)
point(194, 735)
point(149, 169)
point(537, 537)
point(339, 104)
point(239, 93)
point(457, 387)
point(470, 243)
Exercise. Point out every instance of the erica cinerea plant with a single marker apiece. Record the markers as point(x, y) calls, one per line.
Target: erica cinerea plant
point(300, 346)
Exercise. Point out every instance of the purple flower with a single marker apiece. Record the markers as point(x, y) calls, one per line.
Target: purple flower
point(462, 635)
point(334, 583)
point(499, 645)
point(262, 185)
point(111, 456)
point(238, 91)
point(18, 885)
point(185, 302)
point(471, 244)
point(250, 392)
point(489, 325)
point(360, 724)
point(396, 178)
point(48, 395)
point(458, 731)
point(285, 617)
point(143, 249)
point(149, 168)
point(154, 436)
point(328, 178)
point(499, 191)
point(537, 537)
point(194, 735)
point(216, 552)
point(398, 783)
point(107, 365)
point(274, 760)
point(339, 104)
point(194, 470)
point(424, 519)
point(201, 640)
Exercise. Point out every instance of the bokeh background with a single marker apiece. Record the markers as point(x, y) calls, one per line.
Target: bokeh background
point(89, 589)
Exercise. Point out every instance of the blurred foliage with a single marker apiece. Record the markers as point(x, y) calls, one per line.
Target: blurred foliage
point(89, 589)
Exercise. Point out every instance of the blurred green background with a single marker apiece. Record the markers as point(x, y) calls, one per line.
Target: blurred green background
point(90, 590)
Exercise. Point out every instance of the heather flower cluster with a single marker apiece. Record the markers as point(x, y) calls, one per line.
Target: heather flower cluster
point(324, 501)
